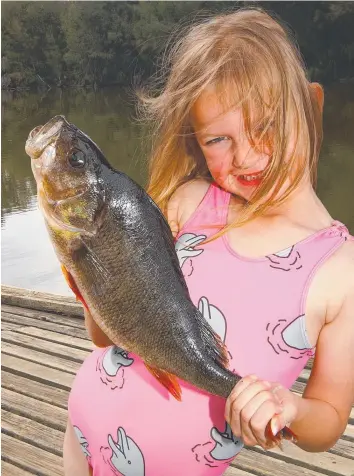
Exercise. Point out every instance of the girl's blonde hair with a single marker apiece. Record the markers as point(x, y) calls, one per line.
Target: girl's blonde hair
point(252, 62)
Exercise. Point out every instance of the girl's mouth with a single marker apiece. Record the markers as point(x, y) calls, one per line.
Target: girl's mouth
point(251, 180)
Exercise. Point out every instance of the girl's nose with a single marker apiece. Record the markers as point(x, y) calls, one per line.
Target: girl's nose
point(244, 156)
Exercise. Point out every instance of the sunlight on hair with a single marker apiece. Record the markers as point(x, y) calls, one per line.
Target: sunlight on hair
point(253, 63)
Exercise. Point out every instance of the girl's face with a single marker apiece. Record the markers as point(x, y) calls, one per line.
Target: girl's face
point(233, 163)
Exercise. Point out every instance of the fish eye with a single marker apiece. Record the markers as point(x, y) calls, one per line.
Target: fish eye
point(77, 159)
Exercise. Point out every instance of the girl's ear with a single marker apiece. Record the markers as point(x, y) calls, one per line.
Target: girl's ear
point(318, 91)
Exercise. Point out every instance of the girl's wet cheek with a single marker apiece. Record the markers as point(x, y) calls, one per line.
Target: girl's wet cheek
point(218, 167)
point(218, 175)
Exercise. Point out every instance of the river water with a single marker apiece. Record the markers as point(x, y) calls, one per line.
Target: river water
point(107, 116)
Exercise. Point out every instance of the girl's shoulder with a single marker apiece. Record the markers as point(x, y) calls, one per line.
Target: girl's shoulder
point(343, 267)
point(335, 279)
point(184, 202)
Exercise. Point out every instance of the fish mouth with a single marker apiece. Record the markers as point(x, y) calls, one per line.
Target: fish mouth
point(34, 132)
point(41, 136)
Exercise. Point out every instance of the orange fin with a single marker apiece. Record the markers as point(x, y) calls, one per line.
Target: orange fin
point(214, 346)
point(167, 380)
point(285, 433)
point(224, 354)
point(72, 285)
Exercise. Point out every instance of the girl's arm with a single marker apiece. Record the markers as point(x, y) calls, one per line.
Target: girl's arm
point(323, 413)
point(95, 333)
point(320, 416)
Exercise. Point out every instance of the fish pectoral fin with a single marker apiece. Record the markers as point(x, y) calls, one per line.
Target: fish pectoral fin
point(72, 285)
point(167, 380)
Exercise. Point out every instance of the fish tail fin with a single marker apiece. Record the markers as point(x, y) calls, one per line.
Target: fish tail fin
point(277, 438)
point(169, 381)
point(214, 346)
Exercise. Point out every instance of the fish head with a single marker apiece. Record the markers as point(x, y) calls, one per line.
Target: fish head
point(67, 166)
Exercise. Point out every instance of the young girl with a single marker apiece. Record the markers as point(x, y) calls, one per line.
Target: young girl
point(238, 129)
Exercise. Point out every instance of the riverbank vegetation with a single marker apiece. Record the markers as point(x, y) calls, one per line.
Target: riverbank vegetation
point(96, 44)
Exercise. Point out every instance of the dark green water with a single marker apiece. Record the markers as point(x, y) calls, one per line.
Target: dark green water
point(28, 259)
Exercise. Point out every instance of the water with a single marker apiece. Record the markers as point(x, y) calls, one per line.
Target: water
point(28, 259)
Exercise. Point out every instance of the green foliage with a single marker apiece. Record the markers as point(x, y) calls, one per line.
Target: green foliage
point(32, 42)
point(98, 43)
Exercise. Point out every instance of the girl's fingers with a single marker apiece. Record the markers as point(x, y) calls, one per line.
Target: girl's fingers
point(248, 437)
point(253, 404)
point(251, 391)
point(260, 419)
point(239, 387)
point(243, 396)
point(243, 420)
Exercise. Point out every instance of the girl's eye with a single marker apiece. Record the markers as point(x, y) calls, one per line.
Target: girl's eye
point(77, 159)
point(216, 140)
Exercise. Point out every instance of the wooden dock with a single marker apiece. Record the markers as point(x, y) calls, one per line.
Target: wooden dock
point(43, 344)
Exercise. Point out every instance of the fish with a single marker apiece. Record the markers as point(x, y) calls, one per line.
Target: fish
point(117, 253)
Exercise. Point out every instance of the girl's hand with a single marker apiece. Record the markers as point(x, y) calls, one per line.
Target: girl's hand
point(253, 403)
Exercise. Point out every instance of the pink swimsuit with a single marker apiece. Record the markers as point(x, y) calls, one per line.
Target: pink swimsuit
point(128, 424)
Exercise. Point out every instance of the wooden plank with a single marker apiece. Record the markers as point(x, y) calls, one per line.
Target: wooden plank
point(343, 448)
point(27, 321)
point(32, 388)
point(50, 361)
point(232, 471)
point(349, 433)
point(41, 301)
point(35, 460)
point(310, 362)
point(42, 345)
point(34, 410)
point(264, 464)
point(51, 336)
point(7, 469)
point(45, 316)
point(304, 376)
point(5, 326)
point(326, 462)
point(351, 416)
point(32, 432)
point(298, 387)
point(40, 372)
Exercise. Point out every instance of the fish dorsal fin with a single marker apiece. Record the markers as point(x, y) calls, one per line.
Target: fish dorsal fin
point(169, 381)
point(214, 346)
point(72, 285)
